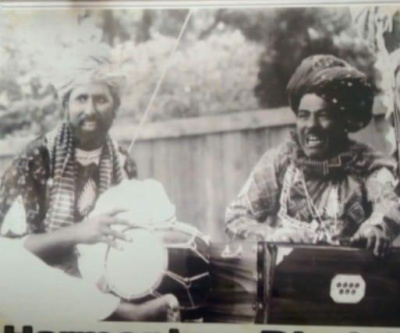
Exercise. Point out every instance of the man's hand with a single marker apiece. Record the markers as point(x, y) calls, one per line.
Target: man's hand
point(50, 246)
point(372, 237)
point(99, 229)
point(162, 309)
point(257, 231)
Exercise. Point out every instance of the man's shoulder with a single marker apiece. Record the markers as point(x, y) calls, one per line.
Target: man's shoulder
point(278, 156)
point(369, 159)
point(33, 149)
point(38, 144)
point(32, 160)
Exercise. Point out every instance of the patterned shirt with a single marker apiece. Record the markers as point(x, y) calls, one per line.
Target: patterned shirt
point(285, 189)
point(26, 186)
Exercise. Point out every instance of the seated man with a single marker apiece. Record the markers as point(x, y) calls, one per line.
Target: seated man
point(60, 175)
point(320, 186)
point(51, 187)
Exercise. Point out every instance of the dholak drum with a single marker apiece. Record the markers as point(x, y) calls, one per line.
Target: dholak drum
point(235, 283)
point(169, 258)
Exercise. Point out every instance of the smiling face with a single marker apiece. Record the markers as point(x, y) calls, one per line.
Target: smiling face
point(91, 113)
point(319, 131)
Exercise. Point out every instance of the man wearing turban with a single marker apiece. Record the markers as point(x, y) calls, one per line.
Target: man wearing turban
point(59, 176)
point(320, 186)
point(46, 196)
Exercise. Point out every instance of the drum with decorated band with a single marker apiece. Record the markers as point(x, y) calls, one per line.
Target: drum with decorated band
point(167, 258)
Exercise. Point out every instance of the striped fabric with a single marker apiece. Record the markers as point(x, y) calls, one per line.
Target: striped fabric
point(63, 192)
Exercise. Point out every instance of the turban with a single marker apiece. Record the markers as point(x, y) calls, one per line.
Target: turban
point(345, 89)
point(84, 69)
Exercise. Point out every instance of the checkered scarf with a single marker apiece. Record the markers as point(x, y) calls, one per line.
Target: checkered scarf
point(60, 144)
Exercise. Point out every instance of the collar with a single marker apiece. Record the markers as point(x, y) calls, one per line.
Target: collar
point(348, 160)
point(86, 157)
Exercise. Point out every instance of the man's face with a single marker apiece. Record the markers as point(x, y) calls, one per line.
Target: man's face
point(318, 130)
point(91, 111)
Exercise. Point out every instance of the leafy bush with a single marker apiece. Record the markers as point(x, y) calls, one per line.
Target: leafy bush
point(207, 77)
point(298, 33)
point(224, 57)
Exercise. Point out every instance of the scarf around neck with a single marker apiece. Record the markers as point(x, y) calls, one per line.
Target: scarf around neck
point(355, 158)
point(61, 146)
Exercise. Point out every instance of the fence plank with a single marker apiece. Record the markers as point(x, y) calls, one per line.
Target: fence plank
point(206, 125)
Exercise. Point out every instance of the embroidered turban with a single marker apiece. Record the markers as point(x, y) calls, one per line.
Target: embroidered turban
point(344, 88)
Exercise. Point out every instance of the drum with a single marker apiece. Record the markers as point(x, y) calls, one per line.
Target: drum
point(170, 257)
point(236, 283)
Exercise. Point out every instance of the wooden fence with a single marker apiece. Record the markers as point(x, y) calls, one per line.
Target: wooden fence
point(203, 162)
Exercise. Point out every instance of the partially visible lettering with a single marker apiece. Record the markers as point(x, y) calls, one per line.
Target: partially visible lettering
point(11, 329)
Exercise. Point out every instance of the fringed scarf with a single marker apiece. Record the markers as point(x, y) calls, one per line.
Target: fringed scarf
point(61, 211)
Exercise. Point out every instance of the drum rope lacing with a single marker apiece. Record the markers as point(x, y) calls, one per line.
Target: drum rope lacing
point(190, 244)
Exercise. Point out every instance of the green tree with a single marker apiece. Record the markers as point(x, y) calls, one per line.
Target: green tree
point(298, 33)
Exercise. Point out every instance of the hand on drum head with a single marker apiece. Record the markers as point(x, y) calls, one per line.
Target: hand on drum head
point(161, 309)
point(372, 237)
point(97, 229)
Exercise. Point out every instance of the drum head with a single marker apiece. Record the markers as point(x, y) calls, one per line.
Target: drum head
point(138, 269)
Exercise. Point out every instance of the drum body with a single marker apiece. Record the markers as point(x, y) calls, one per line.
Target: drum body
point(167, 258)
point(235, 283)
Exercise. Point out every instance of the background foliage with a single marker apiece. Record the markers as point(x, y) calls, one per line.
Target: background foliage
point(228, 61)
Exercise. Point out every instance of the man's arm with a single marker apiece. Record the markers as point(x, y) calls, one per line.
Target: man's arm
point(96, 229)
point(383, 226)
point(257, 202)
point(23, 190)
point(385, 203)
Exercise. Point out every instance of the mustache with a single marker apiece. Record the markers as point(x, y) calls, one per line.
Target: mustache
point(82, 117)
point(315, 132)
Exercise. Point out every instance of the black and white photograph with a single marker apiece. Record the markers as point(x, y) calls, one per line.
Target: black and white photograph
point(221, 165)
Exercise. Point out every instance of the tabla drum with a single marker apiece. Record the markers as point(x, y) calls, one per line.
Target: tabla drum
point(167, 258)
point(236, 283)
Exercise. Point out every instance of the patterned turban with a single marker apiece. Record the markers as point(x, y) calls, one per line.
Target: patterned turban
point(343, 87)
